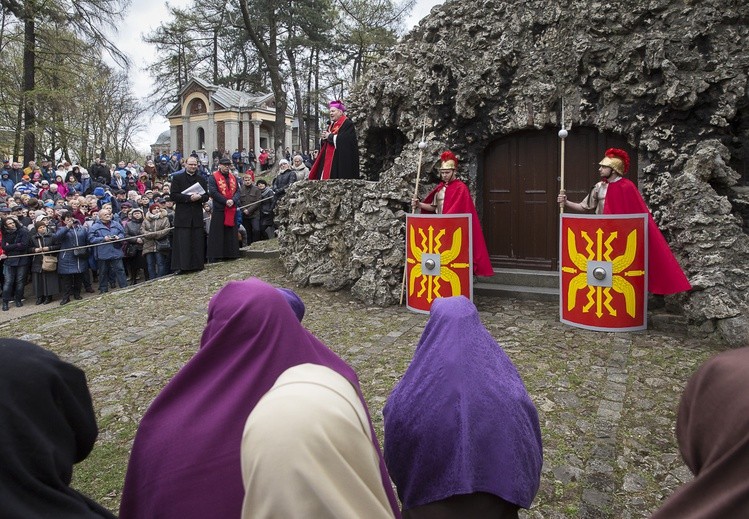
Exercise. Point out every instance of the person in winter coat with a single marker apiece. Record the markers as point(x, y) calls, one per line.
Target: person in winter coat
point(14, 242)
point(46, 283)
point(71, 183)
point(266, 209)
point(156, 228)
point(301, 170)
point(286, 177)
point(71, 267)
point(108, 232)
point(135, 262)
point(249, 195)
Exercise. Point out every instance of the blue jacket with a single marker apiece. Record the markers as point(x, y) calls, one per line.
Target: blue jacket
point(109, 251)
point(67, 262)
point(9, 185)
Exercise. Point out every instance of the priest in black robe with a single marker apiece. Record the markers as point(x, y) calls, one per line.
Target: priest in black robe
point(188, 235)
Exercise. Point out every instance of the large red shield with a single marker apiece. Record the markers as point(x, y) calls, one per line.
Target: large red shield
point(603, 271)
point(439, 260)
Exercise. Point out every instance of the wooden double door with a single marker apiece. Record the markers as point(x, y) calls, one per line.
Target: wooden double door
point(521, 181)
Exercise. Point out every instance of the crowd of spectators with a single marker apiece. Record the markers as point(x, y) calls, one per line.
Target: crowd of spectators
point(108, 224)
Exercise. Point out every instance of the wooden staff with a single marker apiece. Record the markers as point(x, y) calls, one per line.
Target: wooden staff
point(562, 136)
point(422, 146)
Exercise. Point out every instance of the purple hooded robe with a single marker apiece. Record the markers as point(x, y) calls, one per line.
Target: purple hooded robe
point(460, 421)
point(185, 462)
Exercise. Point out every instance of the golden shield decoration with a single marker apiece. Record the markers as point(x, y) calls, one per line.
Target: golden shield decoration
point(439, 261)
point(603, 271)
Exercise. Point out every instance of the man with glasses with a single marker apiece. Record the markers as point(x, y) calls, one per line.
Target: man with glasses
point(190, 191)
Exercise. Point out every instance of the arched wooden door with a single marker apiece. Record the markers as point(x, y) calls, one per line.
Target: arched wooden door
point(520, 185)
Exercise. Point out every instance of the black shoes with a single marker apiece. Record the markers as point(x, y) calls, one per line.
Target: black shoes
point(64, 301)
point(19, 303)
point(39, 300)
point(78, 296)
point(5, 306)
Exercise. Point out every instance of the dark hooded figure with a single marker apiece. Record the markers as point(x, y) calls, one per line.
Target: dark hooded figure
point(48, 425)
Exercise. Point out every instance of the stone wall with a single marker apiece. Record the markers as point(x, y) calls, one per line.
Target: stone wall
point(670, 75)
point(345, 234)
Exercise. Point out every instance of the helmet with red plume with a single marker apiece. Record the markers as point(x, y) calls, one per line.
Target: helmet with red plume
point(616, 159)
point(449, 160)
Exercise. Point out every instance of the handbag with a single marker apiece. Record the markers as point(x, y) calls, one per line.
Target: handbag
point(163, 245)
point(49, 263)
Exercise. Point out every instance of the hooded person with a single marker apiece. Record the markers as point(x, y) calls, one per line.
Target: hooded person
point(339, 148)
point(185, 461)
point(307, 451)
point(462, 437)
point(451, 196)
point(48, 426)
point(712, 429)
point(615, 194)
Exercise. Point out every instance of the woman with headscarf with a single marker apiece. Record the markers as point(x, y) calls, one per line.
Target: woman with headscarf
point(712, 429)
point(185, 461)
point(48, 426)
point(41, 242)
point(462, 437)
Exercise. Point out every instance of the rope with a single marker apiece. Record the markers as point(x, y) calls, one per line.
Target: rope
point(119, 240)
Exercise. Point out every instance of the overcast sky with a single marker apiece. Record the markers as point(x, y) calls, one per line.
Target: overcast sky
point(143, 17)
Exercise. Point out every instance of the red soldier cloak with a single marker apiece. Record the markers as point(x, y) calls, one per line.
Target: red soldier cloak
point(664, 273)
point(458, 200)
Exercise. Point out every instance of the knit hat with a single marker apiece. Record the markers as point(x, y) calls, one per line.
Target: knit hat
point(99, 191)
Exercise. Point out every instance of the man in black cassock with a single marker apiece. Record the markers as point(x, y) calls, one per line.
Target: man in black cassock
point(188, 235)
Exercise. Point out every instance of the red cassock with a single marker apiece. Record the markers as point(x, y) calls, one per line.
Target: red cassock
point(458, 200)
point(664, 273)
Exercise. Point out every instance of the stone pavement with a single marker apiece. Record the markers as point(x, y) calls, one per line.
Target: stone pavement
point(606, 401)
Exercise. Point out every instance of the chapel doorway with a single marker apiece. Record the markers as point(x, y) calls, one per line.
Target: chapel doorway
point(520, 185)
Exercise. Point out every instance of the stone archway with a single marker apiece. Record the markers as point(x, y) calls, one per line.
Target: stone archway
point(520, 175)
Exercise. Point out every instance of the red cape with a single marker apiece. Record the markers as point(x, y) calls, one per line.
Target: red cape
point(458, 200)
point(664, 273)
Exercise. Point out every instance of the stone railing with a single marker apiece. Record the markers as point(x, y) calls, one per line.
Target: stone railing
point(345, 234)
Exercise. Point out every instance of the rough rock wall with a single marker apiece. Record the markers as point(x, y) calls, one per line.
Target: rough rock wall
point(345, 234)
point(671, 75)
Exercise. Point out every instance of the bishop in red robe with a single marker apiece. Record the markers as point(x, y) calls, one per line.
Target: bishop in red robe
point(339, 150)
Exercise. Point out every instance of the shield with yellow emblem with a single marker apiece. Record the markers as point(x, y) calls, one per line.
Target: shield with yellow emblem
point(438, 258)
point(603, 271)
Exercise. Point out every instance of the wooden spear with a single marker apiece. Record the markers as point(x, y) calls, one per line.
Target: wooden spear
point(422, 146)
point(562, 136)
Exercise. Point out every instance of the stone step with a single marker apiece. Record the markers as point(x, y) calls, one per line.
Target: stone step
point(516, 291)
point(525, 278)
